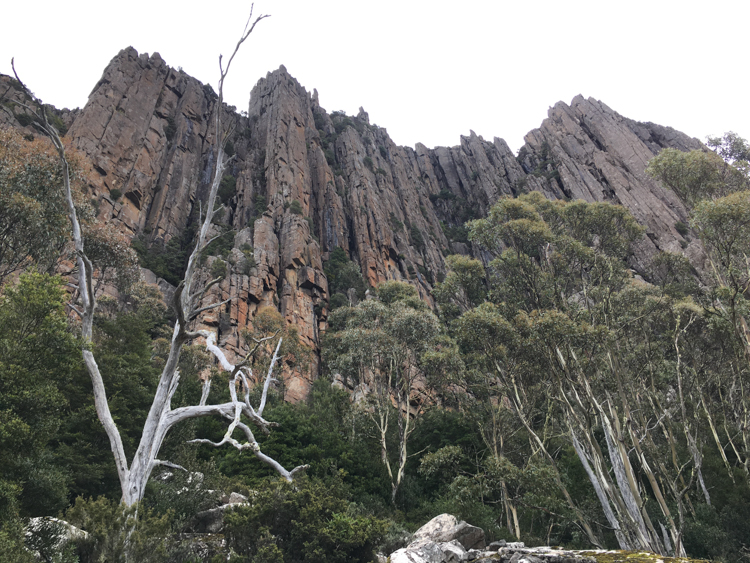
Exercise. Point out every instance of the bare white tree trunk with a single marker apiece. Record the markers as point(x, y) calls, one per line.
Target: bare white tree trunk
point(161, 417)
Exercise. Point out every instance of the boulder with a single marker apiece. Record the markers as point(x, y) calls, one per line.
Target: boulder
point(446, 528)
point(422, 551)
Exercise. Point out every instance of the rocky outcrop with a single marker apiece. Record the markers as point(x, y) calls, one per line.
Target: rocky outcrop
point(12, 114)
point(303, 182)
point(587, 151)
point(446, 540)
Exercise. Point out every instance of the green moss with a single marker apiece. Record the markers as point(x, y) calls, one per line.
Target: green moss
point(617, 556)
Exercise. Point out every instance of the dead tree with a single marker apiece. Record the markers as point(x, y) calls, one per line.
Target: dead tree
point(162, 417)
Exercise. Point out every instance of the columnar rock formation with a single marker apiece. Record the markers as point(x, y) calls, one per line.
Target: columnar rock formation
point(303, 182)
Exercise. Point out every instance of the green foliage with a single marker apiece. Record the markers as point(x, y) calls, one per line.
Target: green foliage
point(697, 175)
point(227, 189)
point(732, 148)
point(218, 268)
point(125, 343)
point(368, 163)
point(458, 233)
point(320, 121)
point(259, 204)
point(33, 223)
point(168, 260)
point(547, 251)
point(341, 121)
point(295, 207)
point(724, 227)
point(249, 262)
point(221, 246)
point(445, 194)
point(463, 288)
point(416, 238)
point(24, 119)
point(171, 129)
point(396, 223)
point(304, 522)
point(338, 300)
point(385, 340)
point(38, 356)
point(12, 545)
point(115, 534)
point(343, 274)
point(115, 194)
point(682, 228)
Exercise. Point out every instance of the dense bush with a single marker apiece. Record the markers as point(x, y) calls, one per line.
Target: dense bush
point(343, 274)
point(305, 522)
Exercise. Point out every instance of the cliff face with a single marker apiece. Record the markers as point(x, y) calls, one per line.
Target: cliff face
point(587, 151)
point(304, 182)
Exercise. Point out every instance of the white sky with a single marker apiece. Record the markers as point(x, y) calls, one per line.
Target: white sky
point(428, 71)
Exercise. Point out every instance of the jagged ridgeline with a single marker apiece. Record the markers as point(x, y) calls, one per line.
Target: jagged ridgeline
point(305, 182)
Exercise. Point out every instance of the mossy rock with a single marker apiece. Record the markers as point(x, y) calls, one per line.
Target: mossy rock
point(617, 556)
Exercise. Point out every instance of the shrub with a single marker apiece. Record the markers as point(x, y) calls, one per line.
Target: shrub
point(227, 189)
point(221, 246)
point(383, 152)
point(170, 129)
point(343, 274)
point(115, 194)
point(24, 119)
point(304, 521)
point(416, 237)
point(445, 194)
point(368, 162)
point(218, 268)
point(396, 222)
point(681, 228)
point(259, 204)
point(249, 263)
point(295, 207)
point(338, 300)
point(115, 534)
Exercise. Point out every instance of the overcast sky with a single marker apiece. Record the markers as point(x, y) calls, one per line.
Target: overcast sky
point(428, 71)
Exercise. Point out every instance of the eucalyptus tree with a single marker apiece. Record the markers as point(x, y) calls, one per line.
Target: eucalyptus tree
point(566, 320)
point(716, 187)
point(33, 223)
point(384, 343)
point(162, 417)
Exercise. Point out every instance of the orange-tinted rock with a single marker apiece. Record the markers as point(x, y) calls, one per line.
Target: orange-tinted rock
point(307, 182)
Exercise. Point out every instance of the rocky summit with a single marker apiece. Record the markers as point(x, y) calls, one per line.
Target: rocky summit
point(304, 181)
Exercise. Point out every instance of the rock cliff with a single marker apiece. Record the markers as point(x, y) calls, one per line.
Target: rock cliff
point(304, 181)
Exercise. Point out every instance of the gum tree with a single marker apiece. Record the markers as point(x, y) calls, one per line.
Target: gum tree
point(240, 413)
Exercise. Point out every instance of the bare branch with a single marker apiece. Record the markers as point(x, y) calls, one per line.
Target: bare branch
point(202, 292)
point(169, 464)
point(215, 350)
point(268, 379)
point(205, 391)
point(194, 314)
